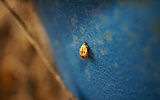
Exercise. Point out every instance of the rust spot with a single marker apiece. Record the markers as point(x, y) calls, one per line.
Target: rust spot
point(82, 30)
point(82, 39)
point(108, 37)
point(75, 39)
point(104, 51)
point(100, 42)
point(73, 21)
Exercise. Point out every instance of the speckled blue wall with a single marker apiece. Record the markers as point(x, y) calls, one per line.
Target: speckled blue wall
point(124, 46)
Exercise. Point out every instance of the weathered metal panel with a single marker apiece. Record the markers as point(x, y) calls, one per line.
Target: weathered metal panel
point(124, 46)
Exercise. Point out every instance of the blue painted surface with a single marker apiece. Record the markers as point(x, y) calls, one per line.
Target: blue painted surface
point(124, 46)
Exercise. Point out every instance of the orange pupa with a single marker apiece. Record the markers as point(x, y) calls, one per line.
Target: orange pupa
point(83, 51)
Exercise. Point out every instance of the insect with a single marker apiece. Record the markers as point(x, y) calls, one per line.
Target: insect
point(83, 51)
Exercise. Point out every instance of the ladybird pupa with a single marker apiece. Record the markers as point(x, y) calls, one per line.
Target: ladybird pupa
point(83, 51)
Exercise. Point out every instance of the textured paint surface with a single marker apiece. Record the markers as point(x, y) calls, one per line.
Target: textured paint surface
point(124, 46)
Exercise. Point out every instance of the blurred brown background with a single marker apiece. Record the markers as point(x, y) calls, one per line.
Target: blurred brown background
point(23, 74)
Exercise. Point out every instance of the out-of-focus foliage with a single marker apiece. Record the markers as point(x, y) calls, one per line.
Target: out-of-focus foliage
point(23, 75)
